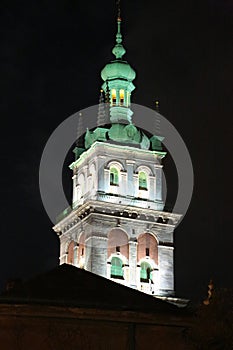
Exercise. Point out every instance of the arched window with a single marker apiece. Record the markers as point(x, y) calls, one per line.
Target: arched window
point(114, 177)
point(147, 246)
point(113, 96)
point(122, 95)
point(116, 268)
point(145, 272)
point(142, 180)
point(118, 242)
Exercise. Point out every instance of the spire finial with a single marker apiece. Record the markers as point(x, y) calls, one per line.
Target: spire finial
point(118, 49)
point(157, 118)
point(118, 10)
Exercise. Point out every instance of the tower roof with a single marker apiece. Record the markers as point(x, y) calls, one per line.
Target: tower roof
point(118, 69)
point(118, 85)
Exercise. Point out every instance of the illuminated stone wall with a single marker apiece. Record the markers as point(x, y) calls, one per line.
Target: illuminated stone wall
point(91, 179)
point(120, 219)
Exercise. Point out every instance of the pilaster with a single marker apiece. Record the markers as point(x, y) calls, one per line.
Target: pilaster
point(158, 185)
point(133, 264)
point(130, 176)
point(76, 250)
point(96, 257)
point(102, 174)
point(166, 273)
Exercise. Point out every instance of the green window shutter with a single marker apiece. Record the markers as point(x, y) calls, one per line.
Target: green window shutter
point(114, 177)
point(116, 268)
point(145, 272)
point(142, 181)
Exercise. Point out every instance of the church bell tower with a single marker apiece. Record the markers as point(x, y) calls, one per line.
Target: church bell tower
point(117, 227)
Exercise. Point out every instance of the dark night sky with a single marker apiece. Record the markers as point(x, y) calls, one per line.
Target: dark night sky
point(51, 56)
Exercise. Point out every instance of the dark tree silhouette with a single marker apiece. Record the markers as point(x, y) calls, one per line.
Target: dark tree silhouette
point(213, 324)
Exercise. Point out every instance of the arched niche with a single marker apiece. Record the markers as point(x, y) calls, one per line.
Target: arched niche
point(118, 242)
point(145, 169)
point(116, 164)
point(147, 247)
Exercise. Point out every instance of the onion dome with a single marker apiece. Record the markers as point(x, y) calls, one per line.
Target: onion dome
point(118, 69)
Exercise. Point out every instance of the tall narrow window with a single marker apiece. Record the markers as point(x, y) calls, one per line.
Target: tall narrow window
point(145, 272)
point(113, 96)
point(117, 268)
point(114, 177)
point(122, 94)
point(142, 181)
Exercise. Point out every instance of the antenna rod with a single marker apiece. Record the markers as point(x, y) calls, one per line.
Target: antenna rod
point(118, 9)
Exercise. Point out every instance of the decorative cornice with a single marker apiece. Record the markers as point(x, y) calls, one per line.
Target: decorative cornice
point(97, 144)
point(97, 237)
point(117, 211)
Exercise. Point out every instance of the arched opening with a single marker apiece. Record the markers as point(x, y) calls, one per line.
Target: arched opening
point(113, 97)
point(70, 257)
point(145, 272)
point(122, 96)
point(118, 243)
point(142, 181)
point(117, 268)
point(114, 176)
point(147, 247)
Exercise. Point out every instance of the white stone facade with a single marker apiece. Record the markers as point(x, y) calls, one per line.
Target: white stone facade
point(91, 180)
point(117, 227)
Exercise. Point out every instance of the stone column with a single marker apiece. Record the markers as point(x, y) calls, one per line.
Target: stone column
point(126, 273)
point(74, 190)
point(63, 253)
point(76, 249)
point(158, 185)
point(85, 185)
point(130, 182)
point(123, 187)
point(108, 270)
point(100, 172)
point(96, 258)
point(152, 186)
point(133, 264)
point(166, 272)
point(138, 269)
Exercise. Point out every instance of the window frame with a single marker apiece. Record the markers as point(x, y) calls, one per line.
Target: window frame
point(114, 176)
point(117, 268)
point(141, 186)
point(144, 278)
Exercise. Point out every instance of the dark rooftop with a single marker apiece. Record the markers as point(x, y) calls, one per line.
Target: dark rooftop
point(67, 285)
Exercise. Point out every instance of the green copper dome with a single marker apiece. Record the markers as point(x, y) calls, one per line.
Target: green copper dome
point(118, 70)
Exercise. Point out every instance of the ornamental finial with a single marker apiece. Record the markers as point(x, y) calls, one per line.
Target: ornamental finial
point(118, 49)
point(118, 9)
